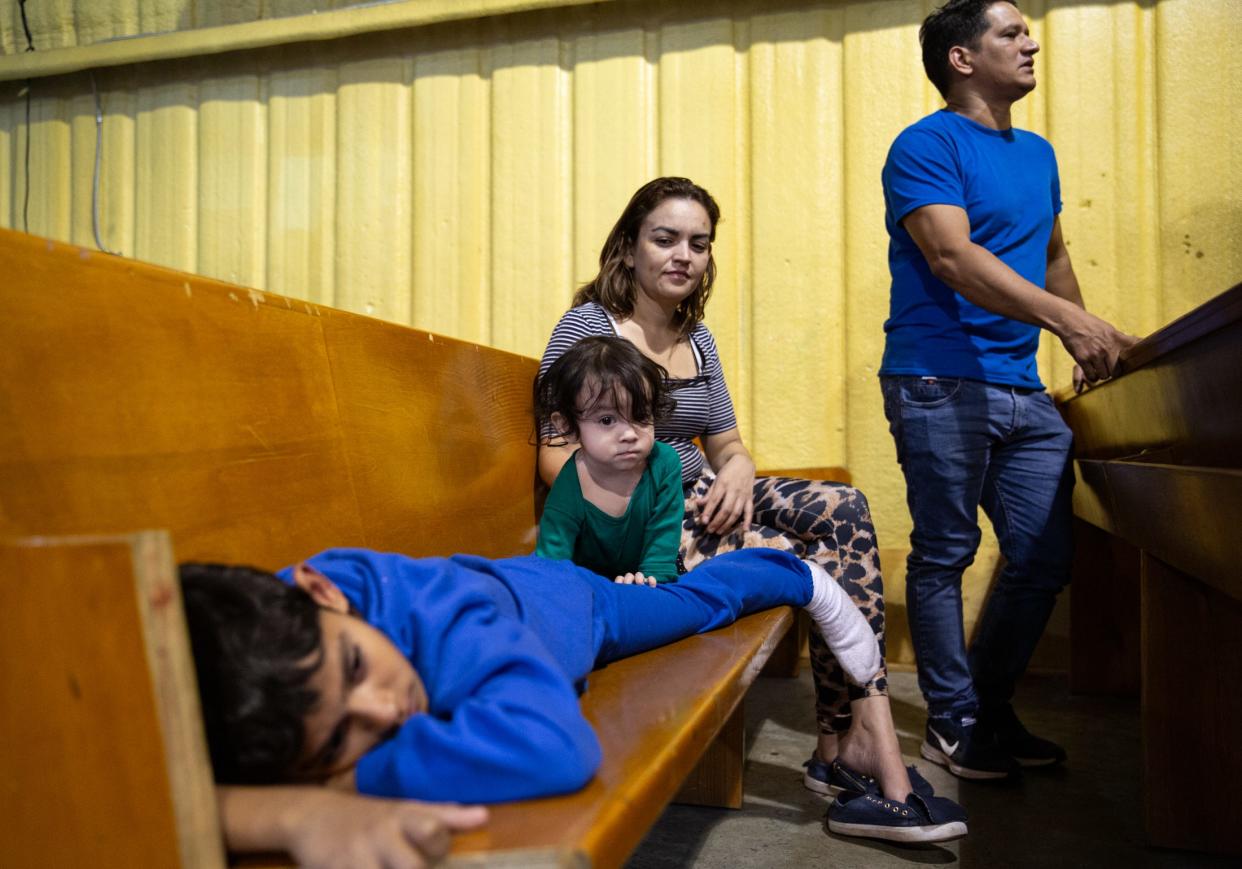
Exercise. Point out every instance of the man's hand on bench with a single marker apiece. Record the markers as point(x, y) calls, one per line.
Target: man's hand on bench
point(323, 827)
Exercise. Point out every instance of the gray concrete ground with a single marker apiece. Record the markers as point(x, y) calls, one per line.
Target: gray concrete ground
point(1085, 814)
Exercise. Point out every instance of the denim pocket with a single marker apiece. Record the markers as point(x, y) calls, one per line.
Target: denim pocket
point(929, 392)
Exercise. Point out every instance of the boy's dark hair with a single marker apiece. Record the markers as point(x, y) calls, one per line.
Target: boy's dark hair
point(614, 367)
point(958, 22)
point(614, 286)
point(256, 643)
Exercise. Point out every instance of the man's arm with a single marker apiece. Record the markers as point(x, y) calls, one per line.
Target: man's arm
point(942, 233)
point(322, 827)
point(1061, 281)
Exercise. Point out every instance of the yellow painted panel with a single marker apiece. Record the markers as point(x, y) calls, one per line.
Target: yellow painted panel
point(703, 133)
point(82, 136)
point(232, 182)
point(51, 24)
point(301, 189)
point(166, 179)
point(615, 137)
point(1104, 138)
point(117, 179)
point(880, 57)
point(452, 194)
point(373, 184)
point(530, 141)
point(50, 152)
point(159, 16)
point(798, 296)
point(95, 22)
point(217, 12)
point(9, 131)
point(1199, 105)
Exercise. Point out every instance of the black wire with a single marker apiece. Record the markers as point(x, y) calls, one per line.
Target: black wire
point(26, 192)
point(26, 26)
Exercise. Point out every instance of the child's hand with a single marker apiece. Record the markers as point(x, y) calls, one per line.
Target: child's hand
point(358, 831)
point(326, 828)
point(635, 579)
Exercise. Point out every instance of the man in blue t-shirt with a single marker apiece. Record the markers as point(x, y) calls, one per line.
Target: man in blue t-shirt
point(979, 267)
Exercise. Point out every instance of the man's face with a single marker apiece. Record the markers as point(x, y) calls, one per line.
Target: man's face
point(366, 688)
point(1004, 61)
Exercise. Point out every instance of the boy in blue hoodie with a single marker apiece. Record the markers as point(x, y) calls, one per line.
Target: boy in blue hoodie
point(444, 678)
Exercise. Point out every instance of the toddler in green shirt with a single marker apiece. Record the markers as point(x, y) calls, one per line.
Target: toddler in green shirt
point(616, 506)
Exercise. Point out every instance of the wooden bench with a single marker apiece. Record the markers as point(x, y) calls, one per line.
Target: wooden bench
point(1157, 588)
point(259, 429)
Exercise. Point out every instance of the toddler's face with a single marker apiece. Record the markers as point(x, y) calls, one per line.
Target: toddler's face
point(607, 435)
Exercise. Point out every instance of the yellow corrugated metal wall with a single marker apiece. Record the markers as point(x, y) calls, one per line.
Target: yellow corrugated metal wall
point(461, 176)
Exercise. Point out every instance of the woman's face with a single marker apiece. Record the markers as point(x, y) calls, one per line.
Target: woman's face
point(672, 251)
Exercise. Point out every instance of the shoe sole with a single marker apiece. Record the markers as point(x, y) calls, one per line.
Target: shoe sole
point(935, 755)
point(820, 787)
point(924, 834)
point(1037, 761)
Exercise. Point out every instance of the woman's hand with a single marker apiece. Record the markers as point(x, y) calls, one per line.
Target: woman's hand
point(730, 502)
point(635, 579)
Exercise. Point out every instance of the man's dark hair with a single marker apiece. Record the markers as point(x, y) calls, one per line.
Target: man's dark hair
point(614, 367)
point(958, 22)
point(256, 642)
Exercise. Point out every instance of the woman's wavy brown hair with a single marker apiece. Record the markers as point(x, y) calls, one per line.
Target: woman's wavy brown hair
point(614, 287)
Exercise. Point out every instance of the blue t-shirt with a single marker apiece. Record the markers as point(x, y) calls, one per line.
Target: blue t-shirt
point(1007, 182)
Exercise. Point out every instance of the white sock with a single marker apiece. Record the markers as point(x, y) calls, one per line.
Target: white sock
point(843, 626)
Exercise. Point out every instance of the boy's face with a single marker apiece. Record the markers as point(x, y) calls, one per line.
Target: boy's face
point(609, 439)
point(366, 689)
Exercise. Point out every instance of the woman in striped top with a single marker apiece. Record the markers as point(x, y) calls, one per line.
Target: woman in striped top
point(656, 274)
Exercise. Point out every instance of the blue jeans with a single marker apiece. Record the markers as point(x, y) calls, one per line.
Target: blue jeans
point(962, 443)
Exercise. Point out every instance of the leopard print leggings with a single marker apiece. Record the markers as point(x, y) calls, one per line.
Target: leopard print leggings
point(829, 523)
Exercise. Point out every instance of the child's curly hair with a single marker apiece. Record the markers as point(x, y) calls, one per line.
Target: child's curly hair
point(612, 367)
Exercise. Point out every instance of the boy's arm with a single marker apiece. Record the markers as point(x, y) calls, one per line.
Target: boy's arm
point(503, 720)
point(507, 724)
point(662, 538)
point(322, 827)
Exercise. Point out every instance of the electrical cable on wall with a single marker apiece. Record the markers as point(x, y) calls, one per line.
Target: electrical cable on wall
point(95, 177)
point(26, 188)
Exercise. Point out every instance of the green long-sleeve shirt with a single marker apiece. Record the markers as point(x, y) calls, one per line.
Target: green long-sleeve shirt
point(644, 539)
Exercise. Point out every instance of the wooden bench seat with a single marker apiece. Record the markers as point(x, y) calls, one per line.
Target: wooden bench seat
point(1157, 588)
point(260, 429)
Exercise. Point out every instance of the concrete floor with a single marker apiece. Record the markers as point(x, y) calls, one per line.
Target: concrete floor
point(1084, 814)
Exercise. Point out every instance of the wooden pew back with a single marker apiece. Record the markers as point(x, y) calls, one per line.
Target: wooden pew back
point(1157, 589)
point(90, 626)
point(254, 427)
